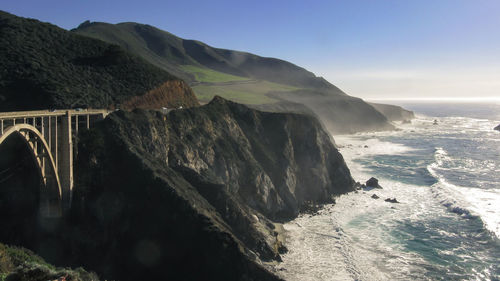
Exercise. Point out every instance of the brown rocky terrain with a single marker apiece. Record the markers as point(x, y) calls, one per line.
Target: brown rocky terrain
point(171, 94)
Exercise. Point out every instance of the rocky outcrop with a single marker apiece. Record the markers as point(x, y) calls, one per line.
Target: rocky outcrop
point(373, 182)
point(497, 128)
point(171, 94)
point(191, 194)
point(394, 112)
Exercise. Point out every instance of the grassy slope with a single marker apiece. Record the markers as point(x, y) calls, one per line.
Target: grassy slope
point(248, 92)
point(203, 74)
point(232, 87)
point(171, 53)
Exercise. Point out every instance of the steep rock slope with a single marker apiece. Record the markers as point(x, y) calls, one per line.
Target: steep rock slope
point(44, 66)
point(394, 112)
point(192, 194)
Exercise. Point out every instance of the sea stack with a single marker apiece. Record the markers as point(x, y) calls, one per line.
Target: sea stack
point(373, 182)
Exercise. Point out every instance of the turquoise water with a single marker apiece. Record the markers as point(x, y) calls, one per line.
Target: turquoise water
point(447, 226)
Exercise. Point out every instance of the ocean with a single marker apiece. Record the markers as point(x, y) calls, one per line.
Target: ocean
point(446, 177)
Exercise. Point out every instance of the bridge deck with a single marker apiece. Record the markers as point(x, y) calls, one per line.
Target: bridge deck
point(44, 113)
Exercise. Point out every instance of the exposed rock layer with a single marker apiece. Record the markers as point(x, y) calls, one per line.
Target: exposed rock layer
point(189, 195)
point(171, 94)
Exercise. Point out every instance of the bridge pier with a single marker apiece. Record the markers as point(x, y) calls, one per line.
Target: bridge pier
point(65, 153)
point(50, 136)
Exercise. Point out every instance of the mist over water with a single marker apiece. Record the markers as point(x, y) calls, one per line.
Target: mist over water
point(447, 226)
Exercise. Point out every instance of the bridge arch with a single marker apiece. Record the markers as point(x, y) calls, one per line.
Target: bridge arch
point(47, 168)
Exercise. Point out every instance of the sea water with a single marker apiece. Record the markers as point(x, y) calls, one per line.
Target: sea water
point(446, 177)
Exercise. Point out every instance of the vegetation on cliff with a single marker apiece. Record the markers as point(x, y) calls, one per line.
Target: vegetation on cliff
point(18, 264)
point(43, 66)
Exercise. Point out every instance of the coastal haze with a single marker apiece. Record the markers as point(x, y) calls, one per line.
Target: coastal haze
point(377, 49)
point(282, 140)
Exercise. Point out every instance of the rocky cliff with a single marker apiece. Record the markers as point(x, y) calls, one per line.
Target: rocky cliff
point(339, 113)
point(394, 112)
point(192, 195)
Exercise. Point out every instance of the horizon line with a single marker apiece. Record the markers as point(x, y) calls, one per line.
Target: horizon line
point(447, 99)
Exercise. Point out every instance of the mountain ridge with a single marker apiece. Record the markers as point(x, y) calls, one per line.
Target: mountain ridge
point(199, 64)
point(188, 51)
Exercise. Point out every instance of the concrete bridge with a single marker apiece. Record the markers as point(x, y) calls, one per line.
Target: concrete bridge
point(50, 137)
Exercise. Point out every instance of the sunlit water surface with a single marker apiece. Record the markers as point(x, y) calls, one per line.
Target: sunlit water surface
point(447, 226)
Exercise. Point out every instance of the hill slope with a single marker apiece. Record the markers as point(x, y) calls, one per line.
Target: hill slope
point(42, 66)
point(167, 50)
point(242, 77)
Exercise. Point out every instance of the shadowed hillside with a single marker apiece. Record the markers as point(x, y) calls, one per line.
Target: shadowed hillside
point(44, 66)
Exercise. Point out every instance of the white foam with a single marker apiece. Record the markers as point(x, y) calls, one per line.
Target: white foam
point(353, 146)
point(467, 201)
point(352, 239)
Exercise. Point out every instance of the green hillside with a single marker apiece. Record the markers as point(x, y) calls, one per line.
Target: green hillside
point(173, 53)
point(203, 74)
point(267, 83)
point(247, 91)
point(42, 66)
point(206, 68)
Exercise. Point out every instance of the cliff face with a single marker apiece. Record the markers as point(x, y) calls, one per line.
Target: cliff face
point(190, 194)
point(394, 112)
point(275, 161)
point(339, 113)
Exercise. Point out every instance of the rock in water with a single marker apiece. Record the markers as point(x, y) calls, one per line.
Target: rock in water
point(373, 182)
point(497, 127)
point(375, 196)
point(393, 200)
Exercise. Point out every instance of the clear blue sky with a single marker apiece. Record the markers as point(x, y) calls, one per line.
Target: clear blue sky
point(370, 48)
